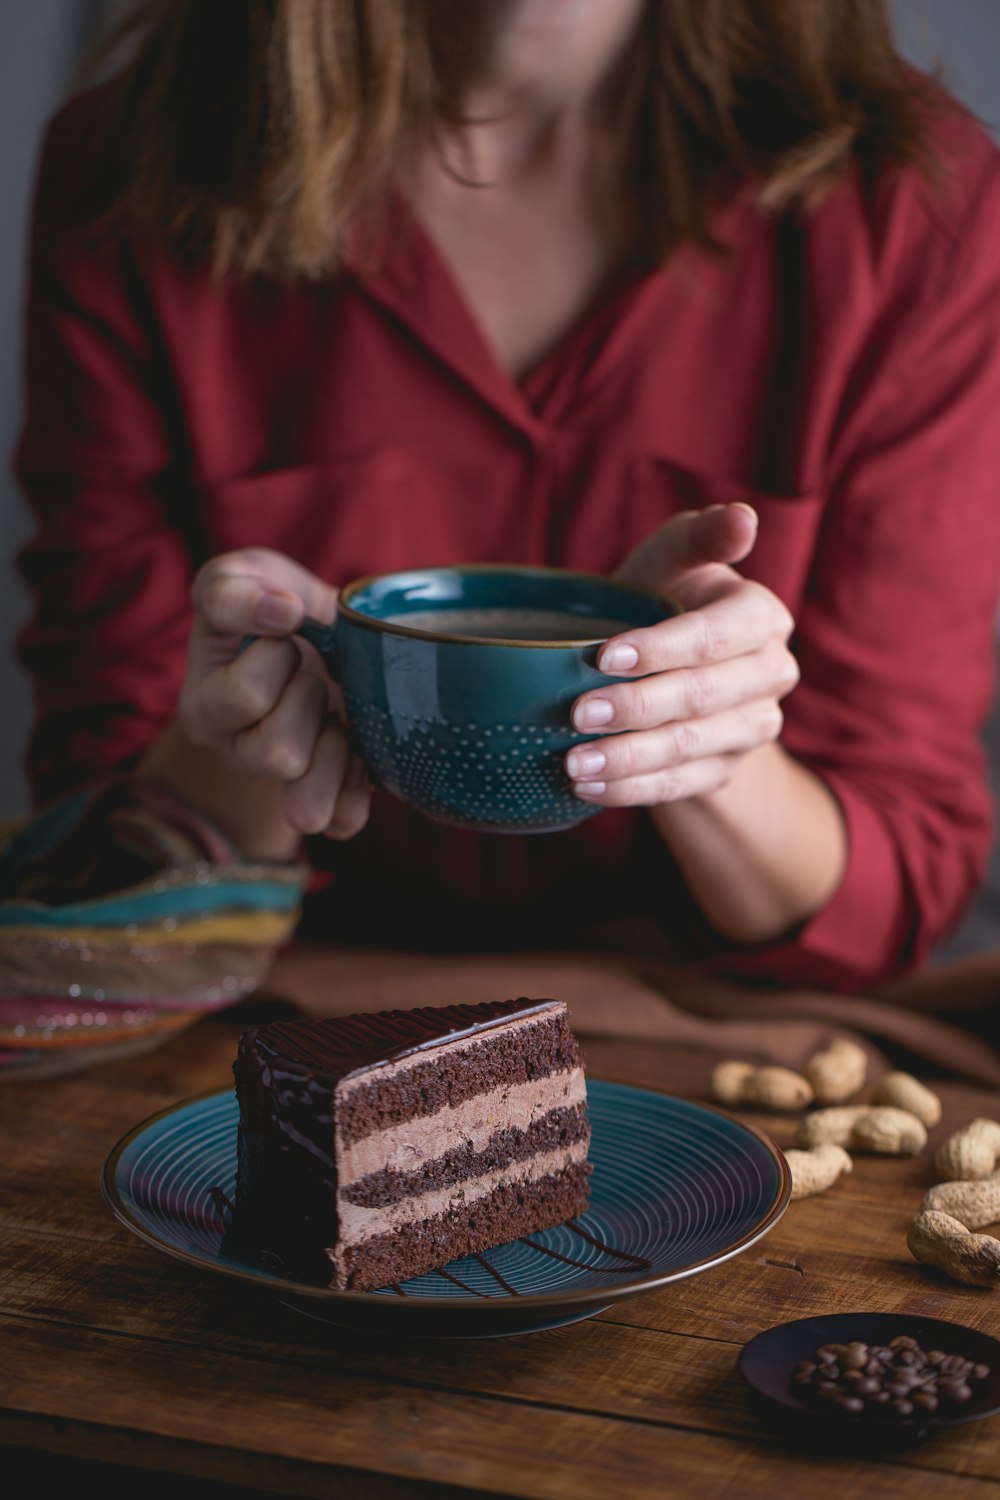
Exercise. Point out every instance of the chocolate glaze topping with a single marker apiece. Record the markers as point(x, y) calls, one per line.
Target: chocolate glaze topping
point(332, 1049)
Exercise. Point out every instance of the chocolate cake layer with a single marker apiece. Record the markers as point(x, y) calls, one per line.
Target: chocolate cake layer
point(555, 1131)
point(503, 1215)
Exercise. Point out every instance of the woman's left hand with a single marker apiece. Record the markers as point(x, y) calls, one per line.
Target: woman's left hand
point(706, 685)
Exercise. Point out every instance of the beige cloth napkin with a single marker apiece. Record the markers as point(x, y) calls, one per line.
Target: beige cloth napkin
point(940, 1021)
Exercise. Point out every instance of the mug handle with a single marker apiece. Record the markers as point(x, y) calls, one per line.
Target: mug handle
point(323, 637)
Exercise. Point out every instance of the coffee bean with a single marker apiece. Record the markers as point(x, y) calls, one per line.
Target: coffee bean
point(894, 1380)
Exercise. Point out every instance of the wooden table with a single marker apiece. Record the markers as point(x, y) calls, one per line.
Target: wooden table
point(117, 1359)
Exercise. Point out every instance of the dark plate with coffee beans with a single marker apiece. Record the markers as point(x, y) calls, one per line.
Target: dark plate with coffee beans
point(878, 1380)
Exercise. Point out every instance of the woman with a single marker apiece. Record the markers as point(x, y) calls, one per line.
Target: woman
point(704, 294)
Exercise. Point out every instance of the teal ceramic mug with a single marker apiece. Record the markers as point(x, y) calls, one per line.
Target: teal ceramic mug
point(458, 682)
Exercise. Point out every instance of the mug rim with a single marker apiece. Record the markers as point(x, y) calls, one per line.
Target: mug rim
point(369, 622)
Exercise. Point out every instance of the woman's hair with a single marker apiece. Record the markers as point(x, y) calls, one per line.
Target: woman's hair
point(256, 130)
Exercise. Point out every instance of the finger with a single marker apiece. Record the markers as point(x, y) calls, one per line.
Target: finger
point(282, 743)
point(239, 693)
point(696, 778)
point(311, 801)
point(718, 534)
point(688, 692)
point(741, 618)
point(259, 590)
point(353, 804)
point(230, 607)
point(713, 584)
point(625, 756)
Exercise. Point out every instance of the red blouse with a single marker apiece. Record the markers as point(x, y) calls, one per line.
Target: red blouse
point(840, 370)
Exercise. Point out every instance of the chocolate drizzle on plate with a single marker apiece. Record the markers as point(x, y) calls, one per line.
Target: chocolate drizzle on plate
point(223, 1204)
point(635, 1260)
point(584, 1265)
point(455, 1281)
point(511, 1291)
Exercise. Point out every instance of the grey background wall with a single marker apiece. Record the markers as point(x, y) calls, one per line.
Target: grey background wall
point(40, 41)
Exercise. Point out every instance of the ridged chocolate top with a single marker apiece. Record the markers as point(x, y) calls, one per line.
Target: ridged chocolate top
point(346, 1044)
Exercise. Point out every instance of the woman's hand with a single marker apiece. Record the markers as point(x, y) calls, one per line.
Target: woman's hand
point(711, 678)
point(272, 709)
point(758, 837)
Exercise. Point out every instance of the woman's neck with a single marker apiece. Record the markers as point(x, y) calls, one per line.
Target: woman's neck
point(520, 74)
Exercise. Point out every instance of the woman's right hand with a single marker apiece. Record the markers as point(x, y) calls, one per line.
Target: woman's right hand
point(273, 708)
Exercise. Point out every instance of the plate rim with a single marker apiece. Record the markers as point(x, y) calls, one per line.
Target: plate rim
point(500, 1306)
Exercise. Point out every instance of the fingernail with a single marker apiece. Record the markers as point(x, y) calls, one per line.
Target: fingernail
point(619, 658)
point(742, 505)
point(278, 612)
point(589, 788)
point(593, 712)
point(585, 762)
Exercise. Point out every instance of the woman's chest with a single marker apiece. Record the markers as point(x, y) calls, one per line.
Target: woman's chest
point(530, 261)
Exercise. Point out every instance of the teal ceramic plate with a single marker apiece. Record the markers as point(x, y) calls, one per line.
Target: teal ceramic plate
point(677, 1188)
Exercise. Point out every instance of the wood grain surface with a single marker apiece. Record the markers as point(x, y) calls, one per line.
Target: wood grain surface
point(122, 1365)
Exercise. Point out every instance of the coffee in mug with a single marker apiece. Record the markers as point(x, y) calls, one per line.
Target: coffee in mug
point(518, 624)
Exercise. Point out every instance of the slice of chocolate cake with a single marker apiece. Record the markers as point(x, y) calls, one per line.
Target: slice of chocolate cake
point(383, 1146)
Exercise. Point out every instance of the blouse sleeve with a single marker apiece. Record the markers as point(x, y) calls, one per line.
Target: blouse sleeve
point(107, 563)
point(897, 636)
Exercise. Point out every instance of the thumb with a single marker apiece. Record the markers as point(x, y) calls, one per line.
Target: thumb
point(258, 590)
point(694, 538)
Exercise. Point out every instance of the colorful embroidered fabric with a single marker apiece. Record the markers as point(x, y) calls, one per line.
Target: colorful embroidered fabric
point(124, 916)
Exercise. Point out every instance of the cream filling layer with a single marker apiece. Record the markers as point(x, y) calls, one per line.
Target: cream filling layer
point(357, 1224)
point(406, 1148)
